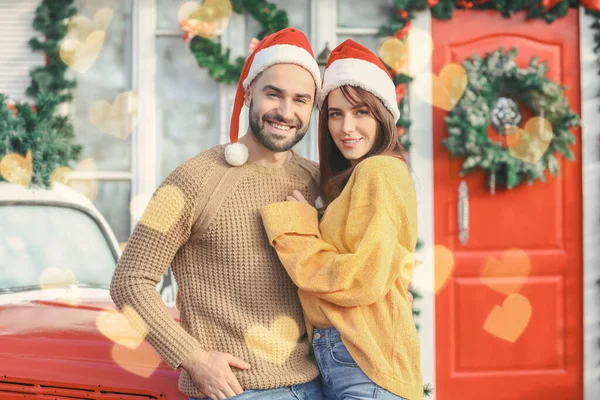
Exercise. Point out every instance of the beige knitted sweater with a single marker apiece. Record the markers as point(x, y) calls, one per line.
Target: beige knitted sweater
point(235, 296)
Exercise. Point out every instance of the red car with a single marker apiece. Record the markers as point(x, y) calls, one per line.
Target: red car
point(59, 333)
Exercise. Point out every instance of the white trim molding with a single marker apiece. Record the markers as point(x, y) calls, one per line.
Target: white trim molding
point(346, 31)
point(421, 160)
point(144, 153)
point(590, 164)
point(323, 25)
point(100, 176)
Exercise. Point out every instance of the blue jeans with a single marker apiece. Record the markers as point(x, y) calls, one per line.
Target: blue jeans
point(305, 391)
point(341, 377)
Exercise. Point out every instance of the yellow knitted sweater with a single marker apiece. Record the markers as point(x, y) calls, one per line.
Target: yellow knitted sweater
point(353, 268)
point(235, 297)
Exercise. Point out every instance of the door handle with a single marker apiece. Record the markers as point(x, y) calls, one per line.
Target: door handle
point(463, 213)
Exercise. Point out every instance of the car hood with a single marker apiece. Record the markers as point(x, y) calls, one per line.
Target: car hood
point(55, 341)
point(56, 320)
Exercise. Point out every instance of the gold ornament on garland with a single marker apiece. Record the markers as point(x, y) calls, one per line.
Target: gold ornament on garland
point(208, 20)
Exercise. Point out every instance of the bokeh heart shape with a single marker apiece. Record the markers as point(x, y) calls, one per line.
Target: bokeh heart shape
point(61, 175)
point(443, 91)
point(55, 277)
point(531, 143)
point(127, 330)
point(124, 328)
point(444, 265)
point(275, 342)
point(141, 361)
point(118, 119)
point(164, 209)
point(81, 55)
point(17, 169)
point(513, 270)
point(396, 53)
point(208, 20)
point(80, 27)
point(508, 322)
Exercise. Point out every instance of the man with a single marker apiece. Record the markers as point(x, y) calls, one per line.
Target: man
point(242, 326)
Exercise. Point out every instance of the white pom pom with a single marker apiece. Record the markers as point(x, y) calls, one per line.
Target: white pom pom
point(236, 154)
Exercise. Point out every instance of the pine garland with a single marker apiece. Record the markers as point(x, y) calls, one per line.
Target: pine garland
point(549, 10)
point(51, 20)
point(403, 123)
point(48, 137)
point(210, 54)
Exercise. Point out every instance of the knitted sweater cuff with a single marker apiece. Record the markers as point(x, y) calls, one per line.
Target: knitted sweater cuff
point(185, 346)
point(290, 217)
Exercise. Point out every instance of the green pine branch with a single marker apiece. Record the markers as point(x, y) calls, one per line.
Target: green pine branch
point(51, 21)
point(49, 137)
point(210, 54)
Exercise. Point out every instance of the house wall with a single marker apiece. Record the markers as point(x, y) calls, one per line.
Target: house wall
point(590, 133)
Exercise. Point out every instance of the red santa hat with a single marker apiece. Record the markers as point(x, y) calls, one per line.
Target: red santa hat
point(288, 46)
point(353, 64)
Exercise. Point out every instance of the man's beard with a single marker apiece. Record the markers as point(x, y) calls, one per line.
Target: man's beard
point(275, 142)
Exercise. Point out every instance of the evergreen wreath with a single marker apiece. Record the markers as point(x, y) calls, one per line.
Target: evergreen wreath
point(209, 54)
point(467, 123)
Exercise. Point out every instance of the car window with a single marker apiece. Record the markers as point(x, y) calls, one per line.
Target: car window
point(42, 244)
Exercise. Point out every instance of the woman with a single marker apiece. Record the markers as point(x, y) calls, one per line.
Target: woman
point(354, 267)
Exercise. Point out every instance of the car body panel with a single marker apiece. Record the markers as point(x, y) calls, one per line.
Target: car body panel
point(50, 339)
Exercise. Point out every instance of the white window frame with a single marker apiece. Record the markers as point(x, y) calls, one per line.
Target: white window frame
point(143, 138)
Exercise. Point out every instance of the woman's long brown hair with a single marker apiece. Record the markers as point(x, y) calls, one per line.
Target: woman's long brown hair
point(335, 168)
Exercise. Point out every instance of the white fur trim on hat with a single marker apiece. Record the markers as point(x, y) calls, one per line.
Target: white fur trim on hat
point(362, 74)
point(236, 154)
point(283, 54)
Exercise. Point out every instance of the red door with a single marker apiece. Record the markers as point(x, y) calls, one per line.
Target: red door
point(518, 336)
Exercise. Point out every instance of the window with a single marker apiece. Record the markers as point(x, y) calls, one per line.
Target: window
point(360, 21)
point(110, 171)
point(52, 237)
